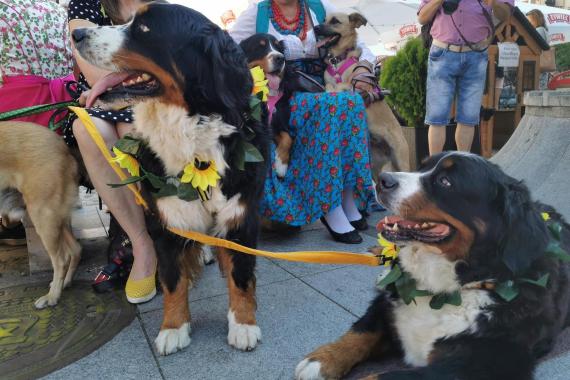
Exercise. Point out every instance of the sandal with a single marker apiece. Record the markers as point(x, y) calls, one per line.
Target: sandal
point(114, 275)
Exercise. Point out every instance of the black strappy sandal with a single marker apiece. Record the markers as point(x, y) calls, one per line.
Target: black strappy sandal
point(120, 260)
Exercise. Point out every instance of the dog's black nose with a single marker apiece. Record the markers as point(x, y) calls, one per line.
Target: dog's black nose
point(388, 182)
point(78, 35)
point(279, 60)
point(317, 29)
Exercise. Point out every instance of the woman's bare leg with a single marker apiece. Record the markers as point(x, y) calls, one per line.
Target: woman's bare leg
point(120, 201)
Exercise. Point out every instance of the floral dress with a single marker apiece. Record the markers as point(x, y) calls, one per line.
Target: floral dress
point(31, 40)
point(329, 153)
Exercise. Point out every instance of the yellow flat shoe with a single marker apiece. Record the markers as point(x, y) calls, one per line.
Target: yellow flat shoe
point(139, 291)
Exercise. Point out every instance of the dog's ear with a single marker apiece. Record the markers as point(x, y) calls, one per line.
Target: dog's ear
point(247, 45)
point(357, 20)
point(525, 237)
point(217, 77)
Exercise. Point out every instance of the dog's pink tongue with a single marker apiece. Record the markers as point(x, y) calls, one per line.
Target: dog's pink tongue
point(108, 81)
point(322, 42)
point(273, 81)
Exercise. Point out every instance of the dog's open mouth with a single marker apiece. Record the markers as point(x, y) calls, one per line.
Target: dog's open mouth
point(395, 228)
point(328, 41)
point(123, 84)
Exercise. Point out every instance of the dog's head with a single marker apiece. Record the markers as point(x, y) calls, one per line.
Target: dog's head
point(170, 54)
point(267, 52)
point(338, 32)
point(465, 208)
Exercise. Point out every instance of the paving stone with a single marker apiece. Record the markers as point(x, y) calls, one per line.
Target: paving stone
point(352, 287)
point(212, 284)
point(554, 369)
point(294, 320)
point(126, 356)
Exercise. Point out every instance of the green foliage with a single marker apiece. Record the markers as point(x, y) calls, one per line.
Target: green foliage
point(405, 76)
point(563, 56)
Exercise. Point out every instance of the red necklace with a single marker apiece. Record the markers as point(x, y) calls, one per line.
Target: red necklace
point(282, 20)
point(290, 25)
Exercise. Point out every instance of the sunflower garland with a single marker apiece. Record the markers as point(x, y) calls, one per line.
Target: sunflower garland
point(259, 83)
point(201, 174)
point(197, 178)
point(126, 161)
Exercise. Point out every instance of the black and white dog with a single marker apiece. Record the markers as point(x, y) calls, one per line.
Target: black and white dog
point(465, 228)
point(190, 87)
point(265, 51)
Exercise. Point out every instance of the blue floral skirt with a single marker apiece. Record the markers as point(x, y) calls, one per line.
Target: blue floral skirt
point(329, 153)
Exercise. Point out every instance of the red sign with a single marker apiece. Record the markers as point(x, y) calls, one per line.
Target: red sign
point(408, 30)
point(558, 18)
point(557, 37)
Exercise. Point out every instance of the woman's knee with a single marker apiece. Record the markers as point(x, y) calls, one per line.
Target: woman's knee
point(106, 129)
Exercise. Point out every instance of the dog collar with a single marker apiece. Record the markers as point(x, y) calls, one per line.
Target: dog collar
point(335, 60)
point(336, 73)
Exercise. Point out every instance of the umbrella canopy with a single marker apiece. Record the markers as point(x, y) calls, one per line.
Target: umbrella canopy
point(557, 21)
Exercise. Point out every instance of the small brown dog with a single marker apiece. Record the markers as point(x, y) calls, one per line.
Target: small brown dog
point(37, 163)
point(389, 149)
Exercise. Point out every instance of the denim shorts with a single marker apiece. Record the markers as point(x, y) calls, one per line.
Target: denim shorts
point(455, 75)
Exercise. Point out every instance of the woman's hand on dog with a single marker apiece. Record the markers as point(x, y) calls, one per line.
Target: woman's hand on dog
point(360, 85)
point(83, 98)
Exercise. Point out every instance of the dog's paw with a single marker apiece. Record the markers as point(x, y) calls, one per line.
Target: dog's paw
point(45, 301)
point(308, 370)
point(169, 341)
point(241, 336)
point(280, 167)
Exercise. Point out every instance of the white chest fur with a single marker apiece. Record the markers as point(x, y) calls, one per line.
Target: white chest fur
point(178, 139)
point(418, 325)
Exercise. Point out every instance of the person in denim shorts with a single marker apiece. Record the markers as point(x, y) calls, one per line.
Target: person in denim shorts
point(457, 65)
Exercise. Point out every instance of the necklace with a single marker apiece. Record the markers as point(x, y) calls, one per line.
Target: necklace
point(295, 26)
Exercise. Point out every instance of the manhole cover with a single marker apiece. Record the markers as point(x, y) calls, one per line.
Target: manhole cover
point(34, 342)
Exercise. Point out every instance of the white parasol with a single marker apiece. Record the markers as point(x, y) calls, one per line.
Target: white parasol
point(557, 21)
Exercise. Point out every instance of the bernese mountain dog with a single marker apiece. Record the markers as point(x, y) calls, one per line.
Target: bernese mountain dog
point(190, 88)
point(265, 51)
point(479, 294)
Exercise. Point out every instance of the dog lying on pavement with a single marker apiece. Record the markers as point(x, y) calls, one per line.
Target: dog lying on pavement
point(482, 291)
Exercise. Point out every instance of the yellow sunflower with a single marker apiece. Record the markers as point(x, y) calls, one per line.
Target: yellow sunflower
point(126, 161)
point(389, 250)
point(201, 174)
point(259, 82)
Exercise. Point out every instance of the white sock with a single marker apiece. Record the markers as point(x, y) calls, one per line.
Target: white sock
point(348, 205)
point(338, 222)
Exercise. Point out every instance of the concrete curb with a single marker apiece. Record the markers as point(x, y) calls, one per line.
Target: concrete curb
point(539, 150)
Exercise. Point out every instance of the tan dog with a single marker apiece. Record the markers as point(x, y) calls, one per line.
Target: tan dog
point(389, 148)
point(37, 163)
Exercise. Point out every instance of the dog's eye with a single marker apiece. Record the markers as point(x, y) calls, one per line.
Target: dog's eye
point(444, 181)
point(144, 28)
point(334, 21)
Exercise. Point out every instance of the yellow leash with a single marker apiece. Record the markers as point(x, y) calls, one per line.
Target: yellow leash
point(318, 257)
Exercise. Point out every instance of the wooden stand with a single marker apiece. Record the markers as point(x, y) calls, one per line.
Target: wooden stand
point(516, 29)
